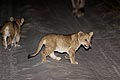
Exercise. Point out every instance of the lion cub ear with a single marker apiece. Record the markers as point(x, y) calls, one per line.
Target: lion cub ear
point(80, 33)
point(91, 34)
point(11, 19)
point(22, 21)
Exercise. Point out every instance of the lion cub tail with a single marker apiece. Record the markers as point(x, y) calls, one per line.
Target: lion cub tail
point(37, 51)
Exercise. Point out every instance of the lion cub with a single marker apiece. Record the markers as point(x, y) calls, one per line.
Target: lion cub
point(11, 32)
point(63, 43)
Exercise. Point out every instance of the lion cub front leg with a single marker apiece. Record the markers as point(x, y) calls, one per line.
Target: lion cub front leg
point(72, 56)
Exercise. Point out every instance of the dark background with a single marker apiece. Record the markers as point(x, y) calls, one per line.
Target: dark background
point(7, 7)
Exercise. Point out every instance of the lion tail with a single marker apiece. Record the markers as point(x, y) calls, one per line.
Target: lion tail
point(38, 50)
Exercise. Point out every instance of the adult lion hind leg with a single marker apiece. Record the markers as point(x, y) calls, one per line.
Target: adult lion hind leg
point(79, 13)
point(75, 4)
point(82, 3)
point(81, 8)
point(77, 10)
point(53, 56)
point(72, 56)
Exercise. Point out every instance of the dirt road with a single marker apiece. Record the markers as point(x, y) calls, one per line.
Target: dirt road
point(101, 62)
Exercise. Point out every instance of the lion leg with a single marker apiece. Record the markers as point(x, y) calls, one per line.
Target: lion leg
point(53, 56)
point(17, 41)
point(73, 4)
point(72, 56)
point(82, 4)
point(44, 56)
point(45, 53)
point(12, 40)
point(4, 42)
point(81, 8)
point(78, 11)
point(9, 40)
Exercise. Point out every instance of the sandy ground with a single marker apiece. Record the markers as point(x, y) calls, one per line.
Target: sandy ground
point(42, 17)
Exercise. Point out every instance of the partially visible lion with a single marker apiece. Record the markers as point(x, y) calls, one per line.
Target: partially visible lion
point(62, 43)
point(79, 7)
point(11, 32)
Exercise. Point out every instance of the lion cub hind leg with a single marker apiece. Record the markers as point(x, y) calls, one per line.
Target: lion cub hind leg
point(45, 53)
point(5, 42)
point(53, 56)
point(10, 40)
point(17, 41)
point(49, 51)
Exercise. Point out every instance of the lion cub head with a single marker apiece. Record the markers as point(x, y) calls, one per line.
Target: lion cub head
point(85, 39)
point(18, 21)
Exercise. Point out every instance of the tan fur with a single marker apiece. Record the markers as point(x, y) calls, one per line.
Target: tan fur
point(11, 32)
point(63, 43)
point(78, 6)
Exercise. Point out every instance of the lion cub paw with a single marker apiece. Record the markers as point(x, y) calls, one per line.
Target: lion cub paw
point(75, 62)
point(45, 61)
point(17, 45)
point(58, 58)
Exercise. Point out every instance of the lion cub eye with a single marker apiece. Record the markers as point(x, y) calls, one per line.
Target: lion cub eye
point(85, 39)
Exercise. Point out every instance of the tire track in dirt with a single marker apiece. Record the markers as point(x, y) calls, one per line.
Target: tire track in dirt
point(110, 57)
point(13, 69)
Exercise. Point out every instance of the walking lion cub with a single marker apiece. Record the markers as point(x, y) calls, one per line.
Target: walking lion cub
point(11, 31)
point(63, 43)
